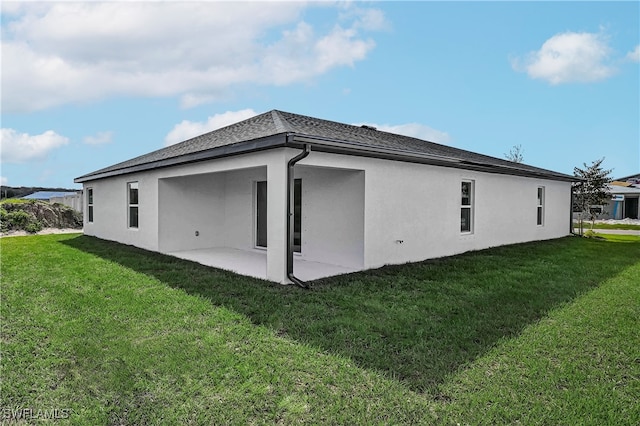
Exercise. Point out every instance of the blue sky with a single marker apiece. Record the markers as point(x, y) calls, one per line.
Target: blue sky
point(87, 85)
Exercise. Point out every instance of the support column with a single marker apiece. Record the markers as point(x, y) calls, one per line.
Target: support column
point(277, 217)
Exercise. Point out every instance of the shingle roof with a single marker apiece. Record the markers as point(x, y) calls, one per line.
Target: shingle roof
point(628, 178)
point(615, 189)
point(277, 127)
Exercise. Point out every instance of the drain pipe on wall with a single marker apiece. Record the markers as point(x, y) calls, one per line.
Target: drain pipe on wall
point(290, 213)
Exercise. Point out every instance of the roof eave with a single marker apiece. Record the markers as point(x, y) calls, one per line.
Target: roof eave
point(254, 145)
point(324, 145)
point(351, 148)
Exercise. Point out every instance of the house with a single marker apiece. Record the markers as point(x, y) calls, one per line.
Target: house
point(625, 195)
point(70, 199)
point(291, 198)
point(46, 195)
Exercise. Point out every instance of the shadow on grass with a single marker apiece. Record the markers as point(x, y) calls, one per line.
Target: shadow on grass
point(416, 323)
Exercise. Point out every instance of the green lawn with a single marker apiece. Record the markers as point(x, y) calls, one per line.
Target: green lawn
point(539, 333)
point(619, 238)
point(587, 225)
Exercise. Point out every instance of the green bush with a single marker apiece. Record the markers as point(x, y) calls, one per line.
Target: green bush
point(4, 222)
point(33, 226)
point(19, 219)
point(591, 234)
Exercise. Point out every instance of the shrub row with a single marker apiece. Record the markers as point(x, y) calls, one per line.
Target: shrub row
point(19, 220)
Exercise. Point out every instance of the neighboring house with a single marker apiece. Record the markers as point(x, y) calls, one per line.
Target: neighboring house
point(70, 199)
point(633, 179)
point(625, 196)
point(286, 197)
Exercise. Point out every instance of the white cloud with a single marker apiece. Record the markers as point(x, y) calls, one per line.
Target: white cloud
point(3, 180)
point(189, 129)
point(372, 19)
point(634, 55)
point(569, 57)
point(71, 52)
point(415, 130)
point(99, 138)
point(191, 100)
point(20, 147)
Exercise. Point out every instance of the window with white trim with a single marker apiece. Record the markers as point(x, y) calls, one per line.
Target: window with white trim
point(466, 206)
point(540, 206)
point(89, 204)
point(132, 204)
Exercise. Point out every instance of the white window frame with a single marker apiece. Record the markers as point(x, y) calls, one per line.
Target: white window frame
point(130, 205)
point(540, 201)
point(470, 206)
point(90, 205)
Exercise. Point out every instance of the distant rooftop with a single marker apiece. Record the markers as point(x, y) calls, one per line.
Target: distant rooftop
point(632, 178)
point(46, 195)
point(615, 189)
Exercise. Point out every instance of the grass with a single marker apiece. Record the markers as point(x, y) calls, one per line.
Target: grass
point(579, 365)
point(539, 333)
point(619, 238)
point(16, 201)
point(587, 225)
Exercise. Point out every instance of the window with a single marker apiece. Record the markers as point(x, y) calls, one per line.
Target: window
point(132, 194)
point(541, 205)
point(89, 204)
point(466, 207)
point(261, 214)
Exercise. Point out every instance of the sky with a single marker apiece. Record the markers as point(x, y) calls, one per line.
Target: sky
point(85, 85)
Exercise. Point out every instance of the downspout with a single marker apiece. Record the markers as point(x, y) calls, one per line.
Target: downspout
point(290, 215)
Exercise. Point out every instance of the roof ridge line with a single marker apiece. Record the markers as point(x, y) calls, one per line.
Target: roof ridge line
point(279, 121)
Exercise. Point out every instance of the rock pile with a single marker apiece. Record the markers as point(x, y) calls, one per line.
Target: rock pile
point(32, 216)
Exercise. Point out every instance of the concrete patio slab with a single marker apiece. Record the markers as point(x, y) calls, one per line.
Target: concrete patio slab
point(254, 263)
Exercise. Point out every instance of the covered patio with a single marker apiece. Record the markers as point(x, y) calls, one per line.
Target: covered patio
point(222, 219)
point(254, 263)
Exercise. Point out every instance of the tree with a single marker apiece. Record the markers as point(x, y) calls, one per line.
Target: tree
point(591, 191)
point(515, 154)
